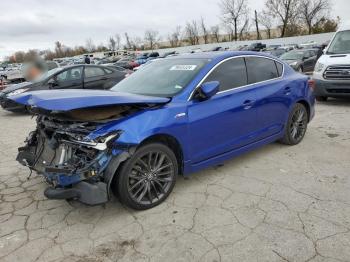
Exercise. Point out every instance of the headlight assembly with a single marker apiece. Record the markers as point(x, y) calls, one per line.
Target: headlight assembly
point(319, 66)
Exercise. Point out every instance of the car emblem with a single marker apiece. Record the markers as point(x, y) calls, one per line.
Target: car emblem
point(345, 72)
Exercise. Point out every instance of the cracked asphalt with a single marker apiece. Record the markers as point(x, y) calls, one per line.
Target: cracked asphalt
point(278, 203)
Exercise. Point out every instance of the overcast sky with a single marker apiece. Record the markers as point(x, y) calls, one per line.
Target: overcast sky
point(26, 24)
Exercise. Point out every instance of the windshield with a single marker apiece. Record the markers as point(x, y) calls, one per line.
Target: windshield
point(293, 55)
point(46, 75)
point(163, 77)
point(340, 43)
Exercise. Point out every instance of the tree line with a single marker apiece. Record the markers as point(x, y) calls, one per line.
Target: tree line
point(279, 18)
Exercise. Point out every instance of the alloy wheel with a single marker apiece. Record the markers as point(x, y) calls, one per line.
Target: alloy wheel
point(151, 177)
point(298, 124)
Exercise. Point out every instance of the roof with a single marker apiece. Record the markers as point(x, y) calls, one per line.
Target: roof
point(218, 54)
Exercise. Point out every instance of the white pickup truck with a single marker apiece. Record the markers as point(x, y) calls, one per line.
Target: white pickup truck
point(332, 70)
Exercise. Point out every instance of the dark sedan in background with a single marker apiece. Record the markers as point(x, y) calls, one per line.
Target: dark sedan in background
point(76, 76)
point(303, 60)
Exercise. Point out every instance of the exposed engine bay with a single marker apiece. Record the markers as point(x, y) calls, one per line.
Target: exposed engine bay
point(74, 166)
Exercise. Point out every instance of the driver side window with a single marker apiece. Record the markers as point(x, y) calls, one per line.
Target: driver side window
point(69, 75)
point(231, 74)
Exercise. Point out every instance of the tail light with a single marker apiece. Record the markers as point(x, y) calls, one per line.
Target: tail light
point(311, 83)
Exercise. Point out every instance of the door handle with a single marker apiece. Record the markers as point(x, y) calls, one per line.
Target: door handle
point(287, 91)
point(248, 104)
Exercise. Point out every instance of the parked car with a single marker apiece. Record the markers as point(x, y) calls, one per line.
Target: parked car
point(83, 76)
point(302, 60)
point(332, 71)
point(256, 47)
point(275, 52)
point(126, 62)
point(175, 116)
point(290, 47)
point(274, 46)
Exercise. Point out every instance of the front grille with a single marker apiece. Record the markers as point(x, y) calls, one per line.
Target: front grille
point(338, 72)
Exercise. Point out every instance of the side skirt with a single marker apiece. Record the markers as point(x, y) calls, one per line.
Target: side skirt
point(228, 155)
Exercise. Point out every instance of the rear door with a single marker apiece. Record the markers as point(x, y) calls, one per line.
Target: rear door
point(273, 94)
point(227, 120)
point(95, 77)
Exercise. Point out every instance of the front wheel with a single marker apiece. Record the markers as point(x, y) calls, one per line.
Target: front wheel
point(148, 177)
point(296, 125)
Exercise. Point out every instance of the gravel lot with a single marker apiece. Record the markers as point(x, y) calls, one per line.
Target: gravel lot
point(278, 203)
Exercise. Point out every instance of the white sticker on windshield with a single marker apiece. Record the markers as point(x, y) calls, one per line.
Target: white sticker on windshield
point(183, 68)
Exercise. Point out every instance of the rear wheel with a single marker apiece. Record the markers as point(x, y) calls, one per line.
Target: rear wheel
point(296, 125)
point(148, 177)
point(321, 98)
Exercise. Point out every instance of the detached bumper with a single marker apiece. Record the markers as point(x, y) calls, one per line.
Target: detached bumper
point(87, 193)
point(332, 88)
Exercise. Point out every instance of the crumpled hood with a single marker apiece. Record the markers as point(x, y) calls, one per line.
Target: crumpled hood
point(17, 86)
point(65, 100)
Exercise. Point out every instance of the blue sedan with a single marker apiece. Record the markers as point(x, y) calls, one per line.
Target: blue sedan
point(174, 116)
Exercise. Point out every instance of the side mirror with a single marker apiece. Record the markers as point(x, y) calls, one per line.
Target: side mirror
point(208, 90)
point(52, 83)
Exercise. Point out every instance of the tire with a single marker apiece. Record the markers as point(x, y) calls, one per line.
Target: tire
point(321, 98)
point(296, 126)
point(147, 178)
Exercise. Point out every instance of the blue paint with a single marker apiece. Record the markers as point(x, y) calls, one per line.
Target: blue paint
point(209, 131)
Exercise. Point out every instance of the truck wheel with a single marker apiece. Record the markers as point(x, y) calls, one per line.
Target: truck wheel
point(148, 177)
point(321, 98)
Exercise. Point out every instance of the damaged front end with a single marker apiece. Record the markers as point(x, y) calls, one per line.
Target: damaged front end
point(74, 167)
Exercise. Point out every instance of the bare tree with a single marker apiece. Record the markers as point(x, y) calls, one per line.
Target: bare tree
point(192, 32)
point(151, 38)
point(284, 10)
point(204, 31)
point(267, 21)
point(215, 31)
point(234, 12)
point(90, 46)
point(256, 20)
point(58, 48)
point(118, 40)
point(128, 41)
point(244, 32)
point(111, 43)
point(311, 11)
point(174, 37)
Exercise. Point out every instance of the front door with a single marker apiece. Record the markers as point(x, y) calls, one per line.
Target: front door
point(69, 79)
point(226, 121)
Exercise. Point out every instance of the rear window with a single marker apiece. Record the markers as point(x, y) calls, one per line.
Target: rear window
point(279, 68)
point(260, 69)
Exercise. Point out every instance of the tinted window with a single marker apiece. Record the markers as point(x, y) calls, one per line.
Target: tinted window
point(260, 69)
point(230, 74)
point(92, 71)
point(279, 68)
point(69, 75)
